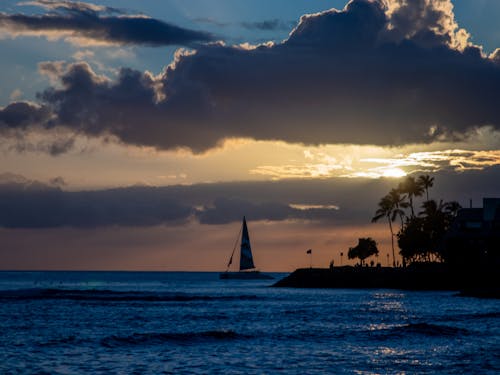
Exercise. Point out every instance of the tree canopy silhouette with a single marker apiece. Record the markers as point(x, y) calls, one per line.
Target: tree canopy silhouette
point(419, 236)
point(391, 206)
point(365, 248)
point(426, 182)
point(412, 188)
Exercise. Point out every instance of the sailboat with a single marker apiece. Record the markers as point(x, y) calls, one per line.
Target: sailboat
point(247, 267)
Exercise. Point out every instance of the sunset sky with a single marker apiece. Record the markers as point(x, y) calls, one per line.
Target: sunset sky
point(135, 135)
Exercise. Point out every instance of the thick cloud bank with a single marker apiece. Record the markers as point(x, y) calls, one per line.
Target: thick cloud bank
point(377, 72)
point(331, 202)
point(92, 24)
point(31, 204)
point(27, 204)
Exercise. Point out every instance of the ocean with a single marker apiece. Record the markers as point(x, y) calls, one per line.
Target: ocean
point(194, 323)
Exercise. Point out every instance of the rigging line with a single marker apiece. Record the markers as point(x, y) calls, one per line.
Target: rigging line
point(234, 249)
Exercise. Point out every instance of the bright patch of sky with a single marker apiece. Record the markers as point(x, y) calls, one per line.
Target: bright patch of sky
point(95, 163)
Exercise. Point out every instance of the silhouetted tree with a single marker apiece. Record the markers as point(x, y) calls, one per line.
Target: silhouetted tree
point(412, 240)
point(412, 189)
point(421, 236)
point(365, 248)
point(452, 208)
point(426, 182)
point(390, 207)
point(398, 203)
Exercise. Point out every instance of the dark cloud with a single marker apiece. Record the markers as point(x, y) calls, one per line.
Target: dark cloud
point(267, 25)
point(57, 181)
point(70, 6)
point(11, 182)
point(97, 24)
point(60, 146)
point(19, 115)
point(229, 210)
point(54, 146)
point(365, 75)
point(24, 205)
point(31, 204)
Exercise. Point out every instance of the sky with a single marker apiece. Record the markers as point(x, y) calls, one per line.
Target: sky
point(135, 135)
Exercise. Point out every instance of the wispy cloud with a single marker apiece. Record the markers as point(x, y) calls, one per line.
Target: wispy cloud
point(212, 21)
point(321, 165)
point(264, 25)
point(307, 170)
point(314, 206)
point(88, 24)
point(16, 94)
point(432, 161)
point(268, 25)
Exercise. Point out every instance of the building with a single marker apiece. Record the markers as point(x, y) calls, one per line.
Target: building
point(473, 239)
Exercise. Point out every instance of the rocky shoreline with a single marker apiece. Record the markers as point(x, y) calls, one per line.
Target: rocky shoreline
point(477, 283)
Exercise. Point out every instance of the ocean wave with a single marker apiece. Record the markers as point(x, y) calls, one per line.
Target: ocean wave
point(114, 341)
point(475, 316)
point(112, 296)
point(427, 329)
point(61, 341)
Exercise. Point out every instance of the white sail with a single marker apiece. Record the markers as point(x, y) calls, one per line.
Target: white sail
point(246, 259)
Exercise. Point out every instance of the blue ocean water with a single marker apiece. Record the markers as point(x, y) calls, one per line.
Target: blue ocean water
point(183, 323)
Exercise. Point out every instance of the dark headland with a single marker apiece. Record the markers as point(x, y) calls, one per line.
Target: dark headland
point(477, 283)
point(443, 247)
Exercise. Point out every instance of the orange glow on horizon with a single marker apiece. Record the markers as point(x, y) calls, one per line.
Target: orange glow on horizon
point(277, 247)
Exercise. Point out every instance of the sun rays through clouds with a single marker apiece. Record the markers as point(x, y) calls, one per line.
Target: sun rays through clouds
point(353, 161)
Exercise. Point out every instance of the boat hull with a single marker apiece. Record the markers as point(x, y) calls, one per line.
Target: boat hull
point(251, 275)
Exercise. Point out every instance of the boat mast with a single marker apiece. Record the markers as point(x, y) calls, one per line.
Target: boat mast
point(234, 249)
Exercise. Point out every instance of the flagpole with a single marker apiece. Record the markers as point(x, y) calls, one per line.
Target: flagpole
point(310, 258)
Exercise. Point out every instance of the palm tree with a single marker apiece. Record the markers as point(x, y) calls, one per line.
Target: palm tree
point(452, 208)
point(437, 218)
point(398, 203)
point(411, 188)
point(426, 182)
point(432, 208)
point(386, 209)
point(447, 210)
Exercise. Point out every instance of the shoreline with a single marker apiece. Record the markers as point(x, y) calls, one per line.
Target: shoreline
point(470, 283)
